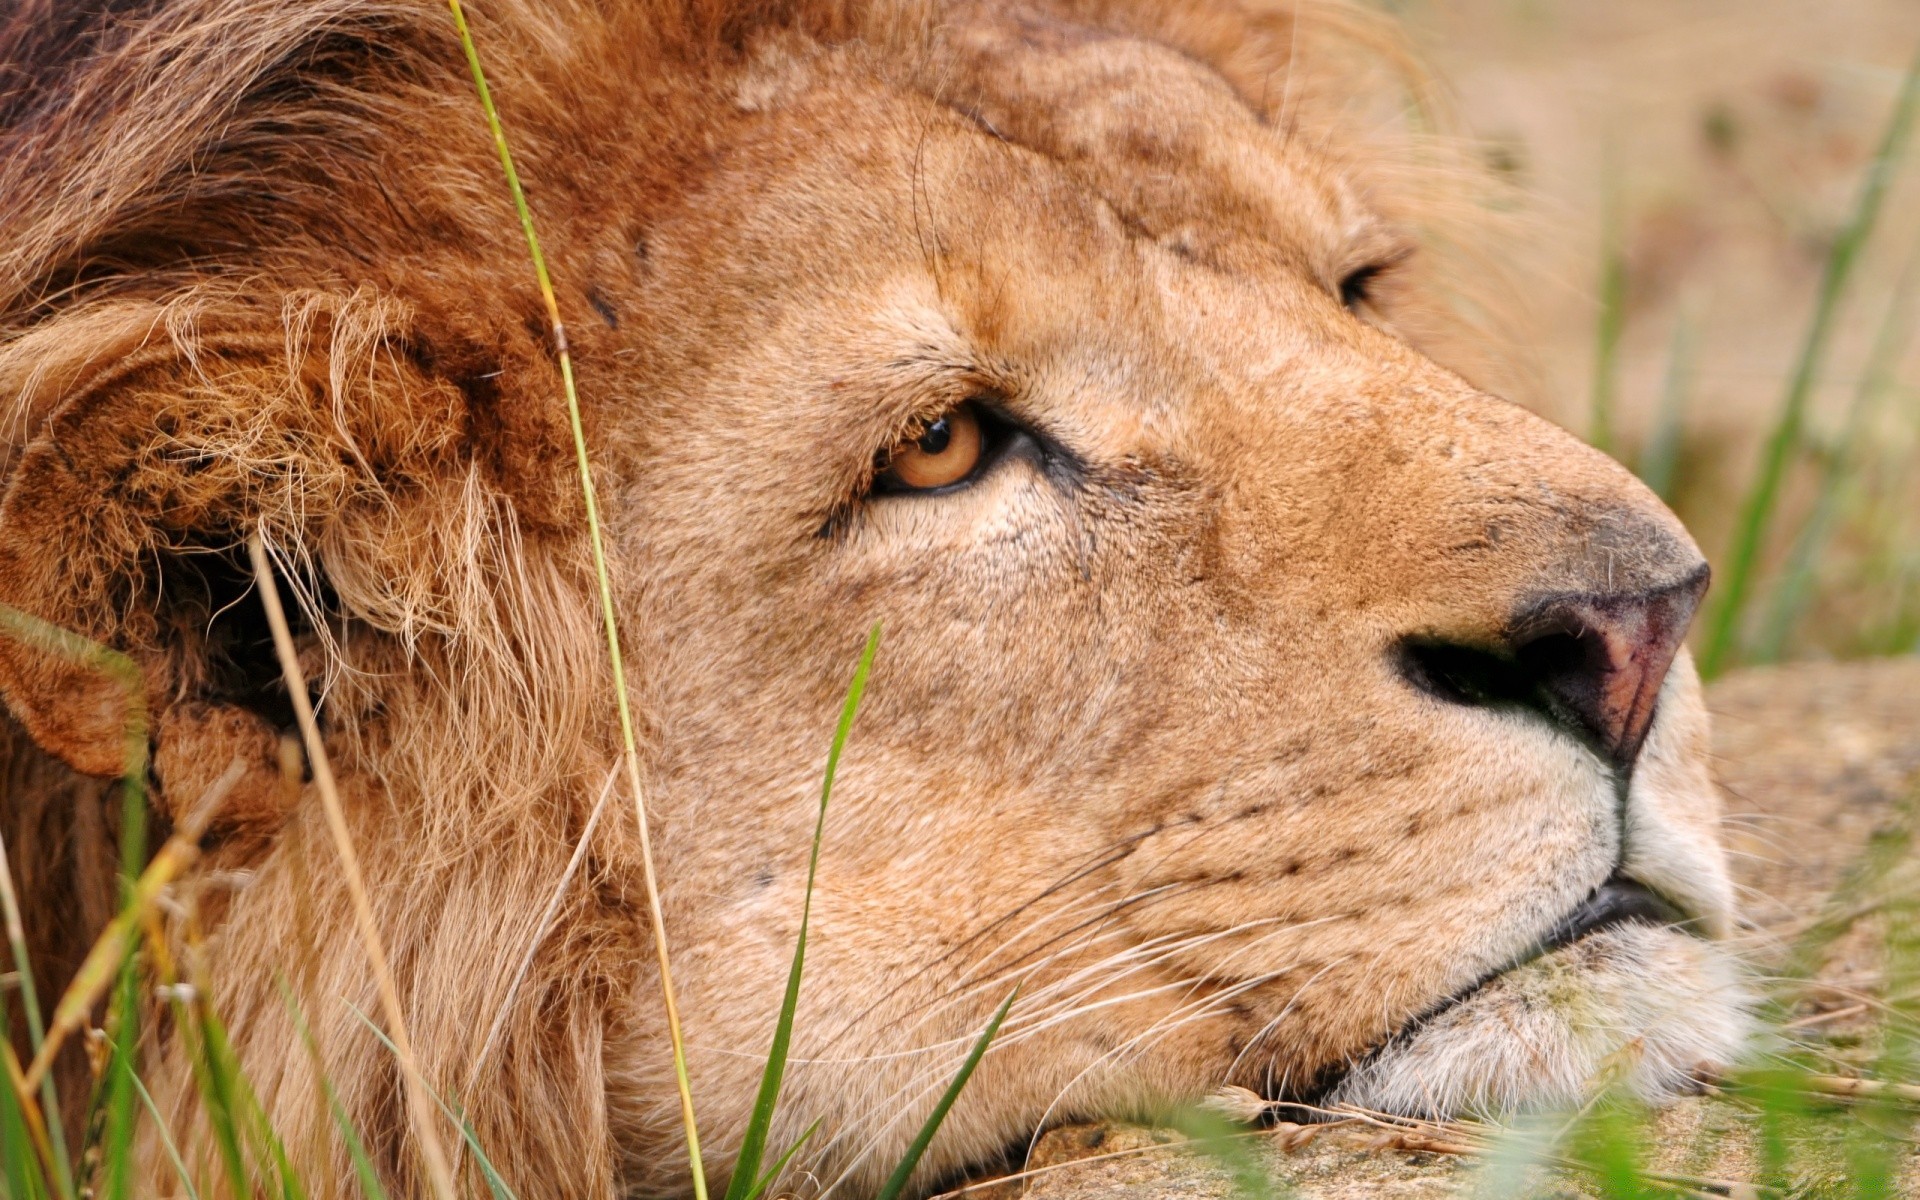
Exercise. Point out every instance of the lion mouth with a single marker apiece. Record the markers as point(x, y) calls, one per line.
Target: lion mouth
point(1624, 971)
point(1618, 901)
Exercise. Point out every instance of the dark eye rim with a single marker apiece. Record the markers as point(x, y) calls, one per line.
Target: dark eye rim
point(997, 433)
point(1356, 286)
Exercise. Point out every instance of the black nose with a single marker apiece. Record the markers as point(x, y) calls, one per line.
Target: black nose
point(1592, 662)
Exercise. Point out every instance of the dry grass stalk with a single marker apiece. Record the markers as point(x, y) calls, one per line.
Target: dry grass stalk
point(1387, 1133)
point(419, 1104)
point(1464, 1139)
point(102, 964)
point(1851, 1087)
point(588, 496)
point(1823, 1018)
point(21, 977)
point(29, 1111)
point(101, 967)
point(1459, 1139)
point(1036, 1172)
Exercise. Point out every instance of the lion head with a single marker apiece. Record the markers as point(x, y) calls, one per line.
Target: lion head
point(1270, 704)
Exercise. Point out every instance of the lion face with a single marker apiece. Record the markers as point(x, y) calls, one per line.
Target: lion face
point(1267, 703)
point(1259, 696)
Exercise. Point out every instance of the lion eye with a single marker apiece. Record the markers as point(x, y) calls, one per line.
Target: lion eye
point(942, 454)
point(1357, 288)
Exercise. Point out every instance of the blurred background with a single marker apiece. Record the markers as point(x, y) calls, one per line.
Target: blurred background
point(1696, 170)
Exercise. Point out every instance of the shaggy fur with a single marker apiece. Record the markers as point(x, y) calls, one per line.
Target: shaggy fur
point(1140, 737)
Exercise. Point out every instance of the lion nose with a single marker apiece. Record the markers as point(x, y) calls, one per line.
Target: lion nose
point(1593, 662)
point(1598, 661)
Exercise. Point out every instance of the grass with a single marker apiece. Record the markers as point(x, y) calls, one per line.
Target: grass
point(590, 501)
point(251, 1157)
point(1660, 463)
point(1725, 618)
point(61, 1165)
point(747, 1180)
point(1879, 380)
point(1612, 321)
point(31, 1112)
point(420, 1111)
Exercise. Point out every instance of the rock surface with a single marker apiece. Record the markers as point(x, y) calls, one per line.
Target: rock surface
point(1815, 759)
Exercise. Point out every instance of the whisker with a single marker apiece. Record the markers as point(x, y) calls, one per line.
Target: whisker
point(1274, 1024)
point(1105, 857)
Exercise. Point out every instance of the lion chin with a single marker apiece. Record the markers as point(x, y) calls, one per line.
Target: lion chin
point(1646, 1010)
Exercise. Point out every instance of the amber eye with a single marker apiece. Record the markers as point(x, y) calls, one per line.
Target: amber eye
point(942, 454)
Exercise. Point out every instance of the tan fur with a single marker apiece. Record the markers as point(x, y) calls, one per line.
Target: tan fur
point(1138, 737)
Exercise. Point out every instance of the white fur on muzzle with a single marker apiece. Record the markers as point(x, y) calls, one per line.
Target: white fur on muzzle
point(1638, 1007)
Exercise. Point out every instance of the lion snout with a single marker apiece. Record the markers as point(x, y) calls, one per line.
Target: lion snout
point(1592, 662)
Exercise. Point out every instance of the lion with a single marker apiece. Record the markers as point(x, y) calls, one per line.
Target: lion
point(1269, 703)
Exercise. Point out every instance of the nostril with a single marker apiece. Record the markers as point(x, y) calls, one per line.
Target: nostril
point(1594, 664)
point(1557, 675)
point(1465, 674)
point(1599, 660)
point(1570, 669)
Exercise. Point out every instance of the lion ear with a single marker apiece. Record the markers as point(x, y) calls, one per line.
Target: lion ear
point(76, 700)
point(127, 618)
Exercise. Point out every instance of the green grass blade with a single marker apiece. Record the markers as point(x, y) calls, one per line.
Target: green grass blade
point(1662, 456)
point(1877, 381)
point(1518, 1149)
point(370, 1185)
point(596, 544)
point(247, 1126)
point(49, 638)
point(1609, 1141)
point(215, 1071)
point(746, 1168)
point(369, 1178)
point(356, 1145)
point(1780, 1098)
point(123, 1112)
point(166, 1139)
point(36, 1028)
point(1882, 1140)
point(780, 1164)
point(1612, 322)
point(19, 1173)
point(495, 1183)
point(290, 1186)
point(1227, 1145)
point(1723, 625)
point(124, 1029)
point(52, 639)
point(897, 1182)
